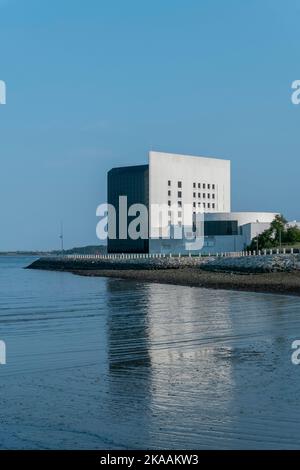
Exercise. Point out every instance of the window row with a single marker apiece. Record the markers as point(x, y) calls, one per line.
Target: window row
point(203, 204)
point(179, 183)
point(199, 185)
point(205, 185)
point(204, 195)
point(179, 203)
point(179, 193)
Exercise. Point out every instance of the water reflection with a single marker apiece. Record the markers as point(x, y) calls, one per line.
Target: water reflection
point(206, 367)
point(105, 363)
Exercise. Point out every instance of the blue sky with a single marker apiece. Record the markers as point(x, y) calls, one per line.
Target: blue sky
point(95, 84)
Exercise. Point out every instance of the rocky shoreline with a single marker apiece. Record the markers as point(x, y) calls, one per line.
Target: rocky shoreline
point(278, 274)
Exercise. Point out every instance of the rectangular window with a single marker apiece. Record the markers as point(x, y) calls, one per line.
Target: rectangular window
point(179, 194)
point(179, 204)
point(199, 204)
point(208, 196)
point(179, 184)
point(213, 186)
point(208, 206)
point(213, 205)
point(194, 204)
point(220, 227)
point(194, 185)
point(194, 194)
point(199, 194)
point(204, 205)
point(179, 214)
point(208, 186)
point(169, 203)
point(203, 186)
point(199, 185)
point(203, 195)
point(213, 196)
point(169, 193)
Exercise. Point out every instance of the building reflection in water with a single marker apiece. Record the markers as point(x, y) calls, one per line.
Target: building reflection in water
point(198, 368)
point(162, 366)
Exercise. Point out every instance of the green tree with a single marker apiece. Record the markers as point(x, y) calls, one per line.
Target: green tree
point(275, 235)
point(278, 228)
point(292, 235)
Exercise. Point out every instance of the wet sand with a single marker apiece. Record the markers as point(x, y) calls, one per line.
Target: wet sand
point(276, 283)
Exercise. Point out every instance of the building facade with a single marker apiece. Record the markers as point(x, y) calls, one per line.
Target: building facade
point(132, 182)
point(234, 231)
point(186, 193)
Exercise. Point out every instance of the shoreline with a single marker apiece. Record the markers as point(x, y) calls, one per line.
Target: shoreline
point(276, 275)
point(283, 283)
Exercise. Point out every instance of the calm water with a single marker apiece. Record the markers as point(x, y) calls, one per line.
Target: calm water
point(102, 363)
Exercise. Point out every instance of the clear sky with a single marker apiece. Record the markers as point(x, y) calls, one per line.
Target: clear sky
point(98, 83)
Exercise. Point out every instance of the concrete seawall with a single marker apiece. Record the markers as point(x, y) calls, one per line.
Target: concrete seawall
point(249, 264)
point(74, 264)
point(255, 264)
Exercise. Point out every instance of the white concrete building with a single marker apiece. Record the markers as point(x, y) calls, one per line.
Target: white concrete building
point(234, 231)
point(180, 181)
point(194, 197)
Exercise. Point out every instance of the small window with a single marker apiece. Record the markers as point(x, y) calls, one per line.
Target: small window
point(169, 182)
point(204, 205)
point(199, 204)
point(208, 206)
point(213, 205)
point(169, 203)
point(213, 186)
point(194, 204)
point(208, 196)
point(179, 214)
point(194, 185)
point(169, 192)
point(179, 194)
point(199, 185)
point(203, 186)
point(203, 195)
point(179, 184)
point(194, 194)
point(179, 204)
point(213, 196)
point(199, 194)
point(208, 186)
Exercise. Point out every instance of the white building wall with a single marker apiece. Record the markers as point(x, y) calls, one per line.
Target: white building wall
point(252, 230)
point(243, 217)
point(188, 170)
point(223, 244)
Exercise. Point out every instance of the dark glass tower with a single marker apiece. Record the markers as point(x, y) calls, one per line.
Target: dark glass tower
point(133, 182)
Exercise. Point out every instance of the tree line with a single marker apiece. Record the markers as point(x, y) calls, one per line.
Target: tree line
point(278, 234)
